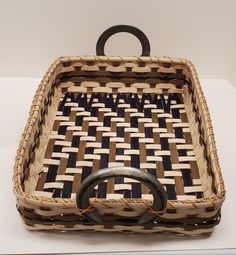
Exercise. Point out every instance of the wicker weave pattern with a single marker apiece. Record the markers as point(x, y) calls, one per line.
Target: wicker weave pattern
point(71, 75)
point(94, 131)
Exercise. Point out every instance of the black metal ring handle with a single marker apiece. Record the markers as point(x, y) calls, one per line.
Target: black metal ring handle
point(123, 28)
point(86, 189)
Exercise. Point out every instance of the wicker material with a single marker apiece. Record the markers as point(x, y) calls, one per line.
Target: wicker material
point(95, 112)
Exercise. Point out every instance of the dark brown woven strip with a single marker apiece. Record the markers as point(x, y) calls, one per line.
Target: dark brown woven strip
point(112, 157)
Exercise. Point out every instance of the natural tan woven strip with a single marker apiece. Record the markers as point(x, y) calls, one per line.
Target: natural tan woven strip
point(80, 157)
point(68, 138)
point(96, 162)
point(188, 138)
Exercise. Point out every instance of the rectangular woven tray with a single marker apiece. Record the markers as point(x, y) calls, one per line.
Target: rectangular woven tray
point(119, 144)
point(91, 113)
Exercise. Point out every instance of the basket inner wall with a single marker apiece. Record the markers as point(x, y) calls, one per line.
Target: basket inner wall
point(107, 116)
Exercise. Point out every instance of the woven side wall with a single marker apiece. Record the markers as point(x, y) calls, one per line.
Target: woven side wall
point(35, 166)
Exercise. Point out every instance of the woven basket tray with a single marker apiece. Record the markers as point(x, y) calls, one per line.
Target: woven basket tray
point(119, 144)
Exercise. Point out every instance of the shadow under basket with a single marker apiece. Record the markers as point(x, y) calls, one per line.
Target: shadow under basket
point(119, 144)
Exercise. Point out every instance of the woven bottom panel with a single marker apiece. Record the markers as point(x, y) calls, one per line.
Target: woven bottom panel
point(98, 130)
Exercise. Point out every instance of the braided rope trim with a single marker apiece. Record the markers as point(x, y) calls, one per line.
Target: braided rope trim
point(149, 209)
point(145, 202)
point(34, 112)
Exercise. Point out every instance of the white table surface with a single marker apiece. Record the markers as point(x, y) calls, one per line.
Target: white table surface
point(16, 96)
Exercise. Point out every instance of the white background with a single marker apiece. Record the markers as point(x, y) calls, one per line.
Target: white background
point(34, 33)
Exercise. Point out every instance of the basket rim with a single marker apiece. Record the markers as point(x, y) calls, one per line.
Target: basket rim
point(20, 194)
